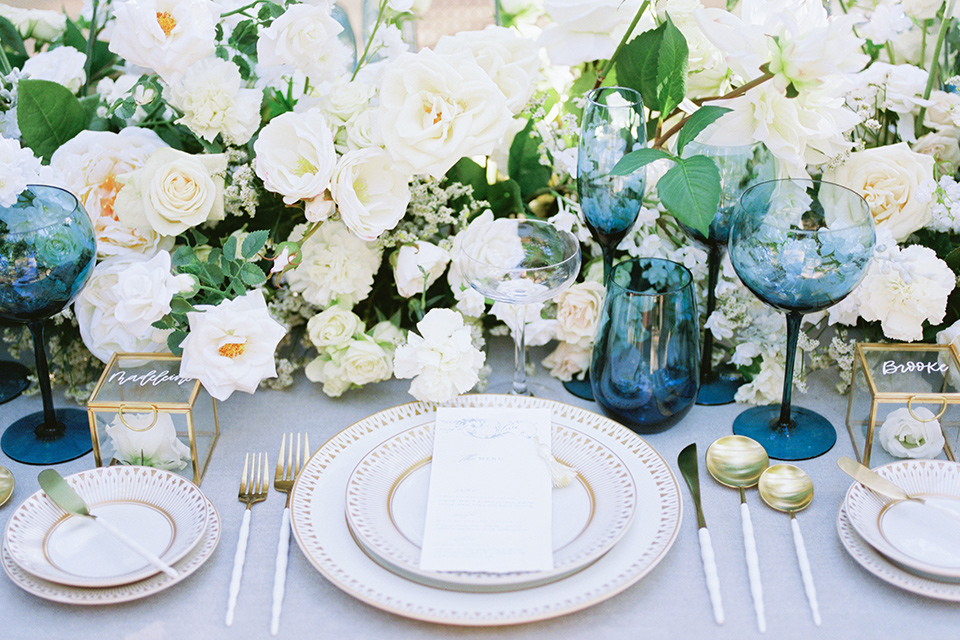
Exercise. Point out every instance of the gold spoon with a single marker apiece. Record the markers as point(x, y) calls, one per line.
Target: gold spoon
point(738, 462)
point(788, 488)
point(6, 485)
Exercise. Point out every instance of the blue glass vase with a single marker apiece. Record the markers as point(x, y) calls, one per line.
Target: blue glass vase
point(645, 369)
point(47, 253)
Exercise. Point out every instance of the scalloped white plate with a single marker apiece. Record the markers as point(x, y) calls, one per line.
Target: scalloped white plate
point(387, 500)
point(317, 506)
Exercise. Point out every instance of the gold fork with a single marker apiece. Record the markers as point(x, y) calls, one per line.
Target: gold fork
point(287, 471)
point(251, 492)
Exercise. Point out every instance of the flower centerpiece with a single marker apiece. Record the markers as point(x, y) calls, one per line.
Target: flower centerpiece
point(268, 197)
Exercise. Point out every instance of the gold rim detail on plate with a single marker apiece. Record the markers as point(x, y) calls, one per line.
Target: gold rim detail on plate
point(600, 506)
point(56, 592)
point(317, 516)
point(37, 524)
point(866, 509)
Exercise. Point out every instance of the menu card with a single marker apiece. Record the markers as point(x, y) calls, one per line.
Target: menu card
point(489, 503)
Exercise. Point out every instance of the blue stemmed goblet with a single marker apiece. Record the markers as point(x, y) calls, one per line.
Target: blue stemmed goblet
point(740, 168)
point(47, 253)
point(800, 246)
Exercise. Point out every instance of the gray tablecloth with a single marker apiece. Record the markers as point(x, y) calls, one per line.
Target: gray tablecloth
point(670, 602)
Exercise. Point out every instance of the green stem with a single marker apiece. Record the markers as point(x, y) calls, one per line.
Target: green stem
point(945, 21)
point(5, 66)
point(373, 32)
point(623, 41)
point(242, 9)
point(91, 39)
point(498, 13)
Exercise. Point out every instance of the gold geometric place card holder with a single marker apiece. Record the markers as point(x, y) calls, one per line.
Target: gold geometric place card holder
point(904, 402)
point(142, 412)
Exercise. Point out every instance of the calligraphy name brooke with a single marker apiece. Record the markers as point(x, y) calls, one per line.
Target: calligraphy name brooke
point(152, 377)
point(890, 367)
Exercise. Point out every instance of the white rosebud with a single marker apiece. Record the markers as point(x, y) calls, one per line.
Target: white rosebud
point(912, 435)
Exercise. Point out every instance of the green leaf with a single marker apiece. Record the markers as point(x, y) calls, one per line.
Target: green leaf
point(10, 38)
point(504, 198)
point(174, 340)
point(213, 274)
point(524, 162)
point(690, 190)
point(671, 67)
point(637, 66)
point(252, 275)
point(48, 116)
point(953, 260)
point(179, 305)
point(638, 158)
point(253, 243)
point(698, 121)
point(230, 248)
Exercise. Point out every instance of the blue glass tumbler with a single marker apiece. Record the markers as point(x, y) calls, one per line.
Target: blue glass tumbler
point(645, 370)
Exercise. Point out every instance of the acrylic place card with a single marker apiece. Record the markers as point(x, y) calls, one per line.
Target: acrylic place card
point(489, 503)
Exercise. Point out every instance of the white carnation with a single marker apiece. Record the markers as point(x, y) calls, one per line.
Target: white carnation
point(337, 266)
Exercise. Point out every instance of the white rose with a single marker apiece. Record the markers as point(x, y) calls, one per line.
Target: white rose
point(173, 192)
point(18, 168)
point(942, 147)
point(921, 9)
point(122, 300)
point(584, 30)
point(578, 312)
point(304, 38)
point(336, 266)
point(362, 131)
point(295, 156)
point(916, 435)
point(137, 442)
point(63, 65)
point(231, 345)
point(164, 35)
point(767, 386)
point(512, 61)
point(334, 327)
point(371, 195)
point(417, 266)
point(346, 100)
point(364, 361)
point(44, 25)
point(488, 241)
point(387, 333)
point(567, 360)
point(88, 166)
point(944, 113)
point(441, 360)
point(213, 101)
point(435, 110)
point(889, 179)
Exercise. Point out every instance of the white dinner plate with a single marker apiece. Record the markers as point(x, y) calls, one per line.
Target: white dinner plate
point(164, 512)
point(918, 537)
point(317, 514)
point(386, 503)
point(56, 592)
point(880, 566)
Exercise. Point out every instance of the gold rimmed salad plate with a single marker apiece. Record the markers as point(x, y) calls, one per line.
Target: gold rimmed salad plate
point(917, 537)
point(386, 501)
point(318, 504)
point(164, 512)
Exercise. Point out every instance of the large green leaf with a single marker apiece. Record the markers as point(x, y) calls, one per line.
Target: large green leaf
point(636, 159)
point(524, 162)
point(48, 115)
point(690, 190)
point(671, 67)
point(698, 121)
point(253, 243)
point(10, 38)
point(637, 65)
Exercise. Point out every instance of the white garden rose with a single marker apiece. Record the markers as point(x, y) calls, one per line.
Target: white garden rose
point(921, 9)
point(441, 359)
point(912, 433)
point(942, 147)
point(164, 35)
point(578, 312)
point(230, 346)
point(18, 168)
point(371, 195)
point(944, 113)
point(364, 362)
point(172, 192)
point(512, 61)
point(88, 166)
point(346, 100)
point(435, 110)
point(767, 386)
point(42, 24)
point(417, 266)
point(334, 327)
point(568, 360)
point(295, 156)
point(889, 179)
point(327, 369)
point(147, 439)
point(488, 241)
point(387, 333)
point(121, 301)
point(213, 101)
point(584, 30)
point(336, 266)
point(304, 38)
point(63, 65)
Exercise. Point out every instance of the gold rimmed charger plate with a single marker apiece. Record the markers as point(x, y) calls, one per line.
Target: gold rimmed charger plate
point(164, 512)
point(318, 505)
point(386, 503)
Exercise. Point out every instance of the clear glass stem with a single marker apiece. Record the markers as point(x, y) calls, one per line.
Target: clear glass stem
point(50, 429)
point(713, 276)
point(520, 355)
point(793, 334)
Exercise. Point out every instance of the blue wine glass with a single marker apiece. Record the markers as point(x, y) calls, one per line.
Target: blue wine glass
point(47, 253)
point(740, 168)
point(800, 246)
point(613, 125)
point(644, 370)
